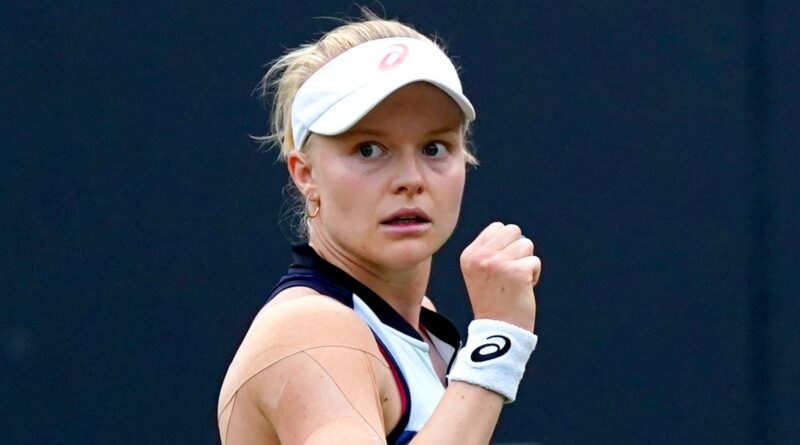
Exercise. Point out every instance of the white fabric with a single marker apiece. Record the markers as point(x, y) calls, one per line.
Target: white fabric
point(411, 356)
point(346, 88)
point(494, 357)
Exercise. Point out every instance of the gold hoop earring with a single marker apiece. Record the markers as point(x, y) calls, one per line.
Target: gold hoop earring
point(311, 215)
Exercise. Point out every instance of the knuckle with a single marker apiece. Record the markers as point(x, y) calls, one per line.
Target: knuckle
point(512, 272)
point(487, 263)
point(474, 258)
point(514, 229)
point(528, 245)
point(467, 263)
point(493, 226)
point(537, 271)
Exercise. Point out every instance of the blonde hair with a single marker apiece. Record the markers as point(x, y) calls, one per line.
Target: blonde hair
point(290, 71)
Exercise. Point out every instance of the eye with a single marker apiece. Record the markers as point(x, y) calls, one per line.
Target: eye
point(435, 149)
point(370, 150)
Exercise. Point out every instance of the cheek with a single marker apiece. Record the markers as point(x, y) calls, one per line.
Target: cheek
point(453, 189)
point(460, 179)
point(458, 174)
point(348, 195)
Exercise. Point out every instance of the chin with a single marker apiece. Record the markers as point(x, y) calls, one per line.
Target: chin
point(405, 253)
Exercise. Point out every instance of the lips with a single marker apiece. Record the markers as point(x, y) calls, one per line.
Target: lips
point(407, 216)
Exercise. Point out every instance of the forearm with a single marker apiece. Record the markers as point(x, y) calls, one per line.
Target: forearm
point(500, 272)
point(484, 376)
point(466, 415)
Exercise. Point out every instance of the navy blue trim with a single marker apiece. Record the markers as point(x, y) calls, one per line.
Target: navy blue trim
point(405, 438)
point(438, 325)
point(400, 428)
point(444, 330)
point(306, 273)
point(310, 270)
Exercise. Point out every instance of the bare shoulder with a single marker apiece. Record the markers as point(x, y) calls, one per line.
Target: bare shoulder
point(292, 325)
point(296, 349)
point(309, 321)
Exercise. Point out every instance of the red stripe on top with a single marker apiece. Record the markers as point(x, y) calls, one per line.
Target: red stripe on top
point(397, 381)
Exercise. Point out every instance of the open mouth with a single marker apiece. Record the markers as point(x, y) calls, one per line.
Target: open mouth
point(405, 220)
point(407, 217)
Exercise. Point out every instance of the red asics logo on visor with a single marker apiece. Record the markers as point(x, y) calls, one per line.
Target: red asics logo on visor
point(396, 55)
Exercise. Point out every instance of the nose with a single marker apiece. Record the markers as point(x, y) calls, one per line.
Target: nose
point(408, 176)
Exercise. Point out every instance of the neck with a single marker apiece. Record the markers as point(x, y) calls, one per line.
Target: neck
point(403, 289)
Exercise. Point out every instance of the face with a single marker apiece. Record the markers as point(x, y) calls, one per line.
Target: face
point(390, 188)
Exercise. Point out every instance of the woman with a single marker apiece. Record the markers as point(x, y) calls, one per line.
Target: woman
point(372, 122)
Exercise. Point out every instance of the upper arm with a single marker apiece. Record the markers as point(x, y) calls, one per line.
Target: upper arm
point(322, 396)
point(311, 369)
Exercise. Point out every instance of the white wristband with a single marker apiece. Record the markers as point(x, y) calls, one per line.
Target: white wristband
point(494, 357)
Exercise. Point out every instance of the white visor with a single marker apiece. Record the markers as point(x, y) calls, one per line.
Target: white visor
point(345, 89)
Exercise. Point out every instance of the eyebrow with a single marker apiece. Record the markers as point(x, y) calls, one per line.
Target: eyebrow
point(366, 131)
point(445, 129)
point(375, 132)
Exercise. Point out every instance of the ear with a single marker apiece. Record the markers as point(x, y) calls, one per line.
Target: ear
point(300, 169)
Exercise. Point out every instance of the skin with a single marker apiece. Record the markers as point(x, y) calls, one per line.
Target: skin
point(321, 379)
point(416, 161)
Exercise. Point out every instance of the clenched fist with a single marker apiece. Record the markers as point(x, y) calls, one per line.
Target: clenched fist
point(500, 271)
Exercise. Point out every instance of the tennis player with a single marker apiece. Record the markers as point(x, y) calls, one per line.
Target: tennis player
point(372, 122)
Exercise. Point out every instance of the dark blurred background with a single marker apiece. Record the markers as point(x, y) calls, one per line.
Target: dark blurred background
point(649, 149)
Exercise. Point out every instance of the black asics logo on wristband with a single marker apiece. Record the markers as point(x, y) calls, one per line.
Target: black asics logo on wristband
point(495, 350)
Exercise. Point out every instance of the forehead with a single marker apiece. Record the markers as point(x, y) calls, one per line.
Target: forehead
point(420, 103)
